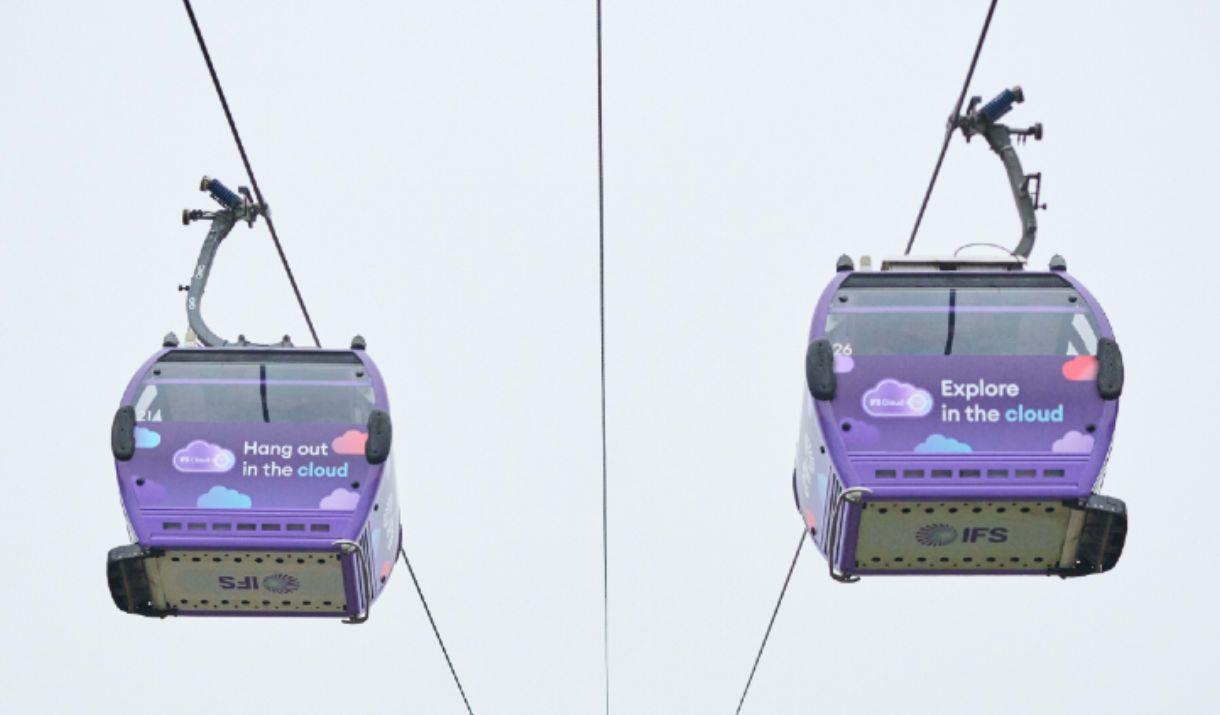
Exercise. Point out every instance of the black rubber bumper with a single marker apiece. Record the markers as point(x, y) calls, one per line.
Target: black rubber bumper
point(1102, 537)
point(128, 580)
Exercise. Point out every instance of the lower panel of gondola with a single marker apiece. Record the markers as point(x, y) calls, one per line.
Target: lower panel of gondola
point(1064, 538)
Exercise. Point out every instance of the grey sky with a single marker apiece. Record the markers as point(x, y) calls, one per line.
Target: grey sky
point(432, 171)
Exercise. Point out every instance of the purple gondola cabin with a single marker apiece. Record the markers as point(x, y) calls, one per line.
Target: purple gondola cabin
point(255, 482)
point(255, 479)
point(959, 411)
point(959, 419)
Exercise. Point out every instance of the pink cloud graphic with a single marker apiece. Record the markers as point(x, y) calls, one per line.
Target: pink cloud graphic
point(1080, 368)
point(200, 456)
point(1073, 441)
point(350, 442)
point(891, 398)
point(340, 500)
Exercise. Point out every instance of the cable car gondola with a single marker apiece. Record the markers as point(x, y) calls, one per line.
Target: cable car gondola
point(255, 479)
point(960, 411)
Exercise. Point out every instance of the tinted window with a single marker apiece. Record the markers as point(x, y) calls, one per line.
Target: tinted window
point(249, 387)
point(961, 321)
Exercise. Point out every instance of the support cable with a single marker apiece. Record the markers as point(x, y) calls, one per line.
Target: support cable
point(445, 651)
point(944, 147)
point(601, 303)
point(771, 623)
point(309, 321)
point(241, 149)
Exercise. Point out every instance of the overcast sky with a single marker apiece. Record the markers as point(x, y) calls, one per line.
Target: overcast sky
point(432, 167)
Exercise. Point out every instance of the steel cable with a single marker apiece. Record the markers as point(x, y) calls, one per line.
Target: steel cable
point(245, 160)
point(601, 303)
point(957, 108)
point(770, 624)
point(445, 651)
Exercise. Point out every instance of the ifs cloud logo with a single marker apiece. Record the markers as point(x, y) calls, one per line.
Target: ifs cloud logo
point(200, 456)
point(891, 398)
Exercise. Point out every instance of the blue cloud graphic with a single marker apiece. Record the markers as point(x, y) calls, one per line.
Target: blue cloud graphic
point(146, 438)
point(219, 497)
point(941, 443)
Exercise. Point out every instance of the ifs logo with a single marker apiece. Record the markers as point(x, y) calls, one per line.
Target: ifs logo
point(936, 535)
point(943, 534)
point(992, 534)
point(275, 583)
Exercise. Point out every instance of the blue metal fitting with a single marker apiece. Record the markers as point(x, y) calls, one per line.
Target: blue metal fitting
point(221, 193)
point(1002, 103)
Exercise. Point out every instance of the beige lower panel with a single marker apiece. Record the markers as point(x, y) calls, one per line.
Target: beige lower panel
point(259, 581)
point(961, 535)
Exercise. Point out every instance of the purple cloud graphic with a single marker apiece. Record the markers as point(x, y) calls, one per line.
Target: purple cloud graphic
point(844, 364)
point(1073, 441)
point(858, 434)
point(219, 497)
point(146, 438)
point(148, 492)
point(941, 443)
point(200, 456)
point(340, 500)
point(891, 398)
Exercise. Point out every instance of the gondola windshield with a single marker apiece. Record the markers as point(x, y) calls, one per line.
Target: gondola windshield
point(946, 320)
point(256, 387)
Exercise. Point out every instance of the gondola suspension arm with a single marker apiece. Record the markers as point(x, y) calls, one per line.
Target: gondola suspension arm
point(984, 120)
point(234, 207)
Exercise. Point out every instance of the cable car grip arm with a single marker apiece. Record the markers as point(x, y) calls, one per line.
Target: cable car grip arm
point(235, 208)
point(984, 120)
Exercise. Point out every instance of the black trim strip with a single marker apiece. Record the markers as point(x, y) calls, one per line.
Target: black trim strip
point(954, 280)
point(226, 355)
